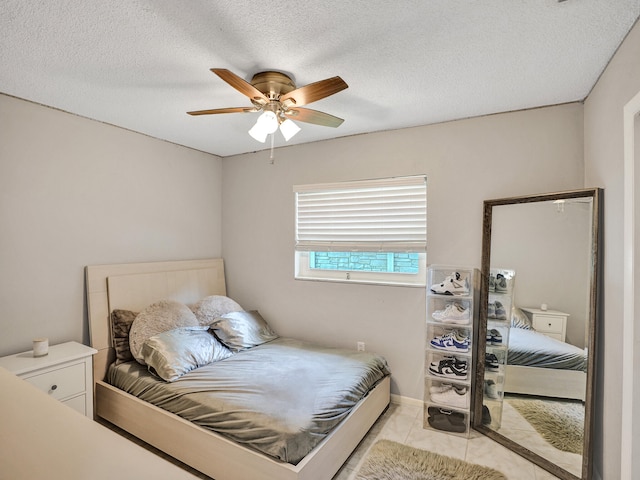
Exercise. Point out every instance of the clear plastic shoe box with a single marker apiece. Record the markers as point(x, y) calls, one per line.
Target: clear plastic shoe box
point(500, 297)
point(449, 412)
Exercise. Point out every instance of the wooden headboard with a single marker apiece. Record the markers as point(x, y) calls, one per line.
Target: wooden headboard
point(133, 286)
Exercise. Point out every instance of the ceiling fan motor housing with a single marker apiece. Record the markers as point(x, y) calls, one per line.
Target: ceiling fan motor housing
point(273, 84)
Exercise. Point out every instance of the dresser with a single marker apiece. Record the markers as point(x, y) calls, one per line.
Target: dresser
point(65, 373)
point(551, 323)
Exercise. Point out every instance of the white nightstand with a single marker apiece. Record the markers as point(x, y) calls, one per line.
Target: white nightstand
point(66, 373)
point(551, 323)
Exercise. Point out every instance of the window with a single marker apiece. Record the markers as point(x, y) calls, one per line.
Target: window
point(370, 231)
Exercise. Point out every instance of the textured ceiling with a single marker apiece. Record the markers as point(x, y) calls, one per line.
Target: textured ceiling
point(142, 64)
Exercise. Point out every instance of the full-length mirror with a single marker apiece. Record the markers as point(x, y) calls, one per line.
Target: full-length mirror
point(537, 329)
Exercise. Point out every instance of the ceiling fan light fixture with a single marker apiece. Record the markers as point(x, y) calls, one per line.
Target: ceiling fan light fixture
point(258, 133)
point(266, 124)
point(288, 129)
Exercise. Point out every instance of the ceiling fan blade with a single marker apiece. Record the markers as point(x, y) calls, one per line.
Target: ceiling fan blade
point(313, 92)
point(313, 116)
point(223, 110)
point(241, 85)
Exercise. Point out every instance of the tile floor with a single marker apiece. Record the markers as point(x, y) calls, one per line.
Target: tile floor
point(403, 423)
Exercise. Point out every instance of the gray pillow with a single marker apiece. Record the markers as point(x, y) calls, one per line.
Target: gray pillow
point(171, 354)
point(242, 330)
point(159, 317)
point(121, 321)
point(520, 320)
point(212, 307)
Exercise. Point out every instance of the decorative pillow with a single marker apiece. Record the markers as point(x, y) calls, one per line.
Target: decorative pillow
point(212, 307)
point(157, 318)
point(520, 320)
point(121, 321)
point(242, 330)
point(171, 354)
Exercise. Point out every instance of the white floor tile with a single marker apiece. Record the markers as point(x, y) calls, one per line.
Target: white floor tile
point(403, 424)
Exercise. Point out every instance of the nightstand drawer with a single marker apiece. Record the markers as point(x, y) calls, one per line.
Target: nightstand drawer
point(78, 403)
point(548, 323)
point(61, 383)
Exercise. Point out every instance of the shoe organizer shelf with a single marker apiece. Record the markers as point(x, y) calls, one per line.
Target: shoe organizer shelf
point(501, 287)
point(452, 308)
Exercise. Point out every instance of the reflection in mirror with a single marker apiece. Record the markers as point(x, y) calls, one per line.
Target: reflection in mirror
point(536, 355)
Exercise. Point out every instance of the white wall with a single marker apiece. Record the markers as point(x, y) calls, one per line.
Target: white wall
point(75, 192)
point(466, 162)
point(550, 251)
point(603, 135)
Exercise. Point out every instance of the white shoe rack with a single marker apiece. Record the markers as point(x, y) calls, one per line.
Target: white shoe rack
point(446, 411)
point(493, 398)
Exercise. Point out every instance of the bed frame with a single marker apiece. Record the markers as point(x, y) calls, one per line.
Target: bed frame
point(133, 287)
point(546, 382)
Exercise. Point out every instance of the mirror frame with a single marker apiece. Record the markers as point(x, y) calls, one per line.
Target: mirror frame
point(594, 316)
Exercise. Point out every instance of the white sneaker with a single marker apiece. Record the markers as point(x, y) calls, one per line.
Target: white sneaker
point(449, 367)
point(452, 285)
point(453, 313)
point(501, 284)
point(454, 397)
point(451, 342)
point(490, 389)
point(443, 387)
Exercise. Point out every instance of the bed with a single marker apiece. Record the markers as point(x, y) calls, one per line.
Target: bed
point(543, 366)
point(135, 286)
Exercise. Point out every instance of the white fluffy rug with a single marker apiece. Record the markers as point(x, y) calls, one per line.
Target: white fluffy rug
point(559, 423)
point(388, 460)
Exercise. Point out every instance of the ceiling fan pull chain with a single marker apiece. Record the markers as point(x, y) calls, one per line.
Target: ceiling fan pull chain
point(271, 156)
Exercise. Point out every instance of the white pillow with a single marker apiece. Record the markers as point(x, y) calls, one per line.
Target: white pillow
point(212, 307)
point(157, 318)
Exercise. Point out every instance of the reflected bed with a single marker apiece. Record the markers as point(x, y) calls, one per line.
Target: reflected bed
point(543, 366)
point(532, 349)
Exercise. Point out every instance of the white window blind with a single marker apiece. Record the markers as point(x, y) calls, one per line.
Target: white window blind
point(388, 215)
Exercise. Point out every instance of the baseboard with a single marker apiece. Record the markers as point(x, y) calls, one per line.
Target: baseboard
point(400, 400)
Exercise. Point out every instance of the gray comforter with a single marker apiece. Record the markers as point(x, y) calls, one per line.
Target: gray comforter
point(280, 398)
point(532, 349)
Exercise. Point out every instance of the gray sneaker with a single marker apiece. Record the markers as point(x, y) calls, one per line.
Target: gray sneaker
point(501, 283)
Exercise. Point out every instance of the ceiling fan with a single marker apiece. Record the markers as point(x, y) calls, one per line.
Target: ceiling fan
point(276, 95)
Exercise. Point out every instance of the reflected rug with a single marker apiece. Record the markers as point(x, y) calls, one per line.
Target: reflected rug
point(388, 460)
point(559, 423)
